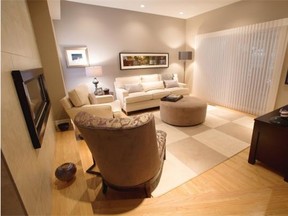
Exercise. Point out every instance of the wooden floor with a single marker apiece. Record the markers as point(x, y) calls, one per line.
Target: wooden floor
point(234, 187)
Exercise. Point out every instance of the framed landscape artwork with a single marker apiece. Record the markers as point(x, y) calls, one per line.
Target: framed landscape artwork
point(133, 60)
point(77, 56)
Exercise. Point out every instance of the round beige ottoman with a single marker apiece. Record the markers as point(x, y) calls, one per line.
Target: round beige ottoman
point(185, 112)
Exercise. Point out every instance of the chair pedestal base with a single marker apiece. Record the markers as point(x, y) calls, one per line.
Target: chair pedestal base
point(90, 169)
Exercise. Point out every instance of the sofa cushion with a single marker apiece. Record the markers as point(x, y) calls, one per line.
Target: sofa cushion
point(158, 93)
point(150, 78)
point(79, 95)
point(137, 87)
point(167, 76)
point(121, 81)
point(137, 97)
point(171, 83)
point(153, 85)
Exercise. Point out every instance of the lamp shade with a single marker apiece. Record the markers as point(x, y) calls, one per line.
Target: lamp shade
point(185, 55)
point(93, 71)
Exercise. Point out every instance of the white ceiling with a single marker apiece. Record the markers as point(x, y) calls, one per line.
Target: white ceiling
point(171, 8)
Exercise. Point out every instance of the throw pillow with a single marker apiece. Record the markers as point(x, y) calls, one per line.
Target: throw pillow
point(167, 76)
point(171, 83)
point(79, 95)
point(133, 87)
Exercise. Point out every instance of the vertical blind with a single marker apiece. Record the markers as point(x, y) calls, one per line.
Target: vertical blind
point(240, 68)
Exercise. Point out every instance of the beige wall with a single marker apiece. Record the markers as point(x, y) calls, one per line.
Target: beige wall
point(47, 47)
point(31, 169)
point(107, 31)
point(235, 15)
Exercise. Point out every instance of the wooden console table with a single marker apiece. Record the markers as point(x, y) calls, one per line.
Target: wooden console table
point(270, 143)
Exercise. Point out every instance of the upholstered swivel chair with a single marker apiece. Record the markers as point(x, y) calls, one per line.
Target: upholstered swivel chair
point(129, 151)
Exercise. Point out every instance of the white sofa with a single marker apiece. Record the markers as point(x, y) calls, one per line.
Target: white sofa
point(145, 91)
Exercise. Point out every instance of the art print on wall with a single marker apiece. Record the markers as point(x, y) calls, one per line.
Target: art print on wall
point(133, 60)
point(286, 80)
point(76, 56)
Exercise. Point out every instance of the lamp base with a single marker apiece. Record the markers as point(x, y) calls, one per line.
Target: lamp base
point(99, 91)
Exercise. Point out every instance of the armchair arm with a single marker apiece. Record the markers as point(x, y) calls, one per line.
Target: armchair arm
point(100, 110)
point(100, 99)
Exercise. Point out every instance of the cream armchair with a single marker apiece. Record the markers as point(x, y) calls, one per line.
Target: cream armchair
point(79, 99)
point(129, 152)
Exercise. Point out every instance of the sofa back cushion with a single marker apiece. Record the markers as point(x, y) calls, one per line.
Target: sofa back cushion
point(121, 81)
point(150, 78)
point(167, 76)
point(79, 95)
point(137, 87)
point(147, 86)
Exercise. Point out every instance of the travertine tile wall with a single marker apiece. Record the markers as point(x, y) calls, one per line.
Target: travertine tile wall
point(30, 169)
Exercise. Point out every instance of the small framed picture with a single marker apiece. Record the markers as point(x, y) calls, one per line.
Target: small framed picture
point(76, 56)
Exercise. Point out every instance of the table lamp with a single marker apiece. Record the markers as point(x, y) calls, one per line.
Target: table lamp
point(94, 71)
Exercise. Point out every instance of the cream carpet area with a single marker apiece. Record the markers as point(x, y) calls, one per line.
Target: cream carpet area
point(194, 150)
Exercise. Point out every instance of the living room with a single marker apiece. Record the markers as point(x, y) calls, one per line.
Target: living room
point(108, 32)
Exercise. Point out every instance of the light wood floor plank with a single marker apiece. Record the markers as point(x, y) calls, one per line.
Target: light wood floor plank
point(234, 187)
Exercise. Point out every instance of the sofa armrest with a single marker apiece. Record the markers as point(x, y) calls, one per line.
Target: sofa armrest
point(182, 85)
point(121, 94)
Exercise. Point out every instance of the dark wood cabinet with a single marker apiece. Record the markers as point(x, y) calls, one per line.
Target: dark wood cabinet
point(270, 143)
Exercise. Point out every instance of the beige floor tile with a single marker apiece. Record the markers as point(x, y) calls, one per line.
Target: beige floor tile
point(245, 121)
point(238, 131)
point(195, 155)
point(173, 134)
point(213, 121)
point(221, 142)
point(193, 130)
point(174, 173)
point(226, 113)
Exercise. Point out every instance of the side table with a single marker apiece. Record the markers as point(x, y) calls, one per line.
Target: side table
point(269, 143)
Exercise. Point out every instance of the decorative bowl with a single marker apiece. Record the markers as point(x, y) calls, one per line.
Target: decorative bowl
point(63, 126)
point(66, 172)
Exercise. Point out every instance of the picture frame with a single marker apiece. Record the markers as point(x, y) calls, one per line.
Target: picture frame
point(143, 60)
point(34, 100)
point(76, 56)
